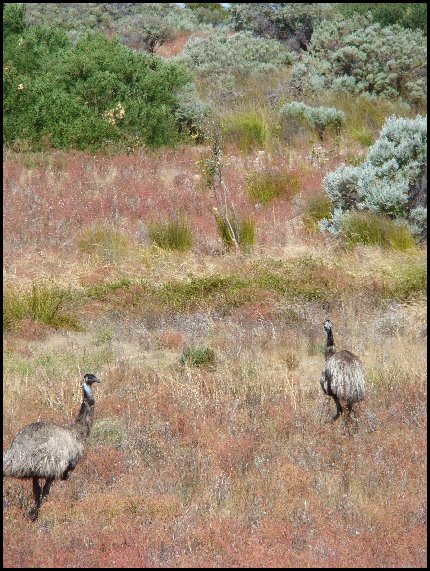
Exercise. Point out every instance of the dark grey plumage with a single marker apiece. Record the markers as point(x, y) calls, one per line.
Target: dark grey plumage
point(50, 451)
point(343, 375)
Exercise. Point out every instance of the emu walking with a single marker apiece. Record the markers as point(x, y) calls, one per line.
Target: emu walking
point(343, 375)
point(50, 451)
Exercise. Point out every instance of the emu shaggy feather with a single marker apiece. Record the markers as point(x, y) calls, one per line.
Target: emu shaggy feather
point(43, 450)
point(343, 375)
point(49, 451)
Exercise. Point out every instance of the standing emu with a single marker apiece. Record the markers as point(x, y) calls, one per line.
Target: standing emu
point(50, 451)
point(343, 375)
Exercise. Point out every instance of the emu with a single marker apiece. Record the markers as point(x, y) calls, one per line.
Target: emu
point(50, 451)
point(343, 375)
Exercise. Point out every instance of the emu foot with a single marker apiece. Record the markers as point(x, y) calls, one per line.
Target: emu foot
point(34, 514)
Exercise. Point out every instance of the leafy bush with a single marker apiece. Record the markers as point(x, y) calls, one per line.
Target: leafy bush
point(208, 12)
point(407, 14)
point(191, 112)
point(319, 118)
point(88, 95)
point(235, 231)
point(219, 55)
point(358, 56)
point(392, 180)
point(292, 23)
point(266, 185)
point(152, 31)
point(173, 234)
point(198, 356)
point(369, 228)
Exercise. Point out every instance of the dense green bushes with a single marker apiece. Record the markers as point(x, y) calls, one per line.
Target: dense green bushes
point(407, 14)
point(221, 55)
point(85, 96)
point(358, 56)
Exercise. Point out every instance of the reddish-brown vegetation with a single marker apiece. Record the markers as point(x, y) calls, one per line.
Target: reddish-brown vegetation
point(227, 465)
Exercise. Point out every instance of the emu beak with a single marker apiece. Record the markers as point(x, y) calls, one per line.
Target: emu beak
point(97, 380)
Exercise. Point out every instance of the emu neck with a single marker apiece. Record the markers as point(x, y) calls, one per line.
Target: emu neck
point(85, 417)
point(330, 348)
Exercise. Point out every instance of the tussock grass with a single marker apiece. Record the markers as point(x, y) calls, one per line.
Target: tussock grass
point(198, 356)
point(44, 302)
point(374, 229)
point(246, 130)
point(172, 234)
point(104, 241)
point(317, 207)
point(236, 231)
point(264, 186)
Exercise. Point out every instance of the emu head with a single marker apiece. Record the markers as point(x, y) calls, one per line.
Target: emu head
point(89, 379)
point(328, 325)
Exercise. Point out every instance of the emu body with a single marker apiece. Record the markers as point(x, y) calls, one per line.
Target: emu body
point(343, 375)
point(49, 451)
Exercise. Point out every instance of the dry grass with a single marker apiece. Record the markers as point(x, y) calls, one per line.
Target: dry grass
point(227, 465)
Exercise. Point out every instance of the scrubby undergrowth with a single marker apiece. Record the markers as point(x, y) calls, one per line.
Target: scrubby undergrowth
point(210, 446)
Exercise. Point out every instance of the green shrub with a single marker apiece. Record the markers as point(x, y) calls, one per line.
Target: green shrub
point(173, 234)
point(246, 131)
point(369, 228)
point(104, 241)
point(406, 14)
point(391, 180)
point(89, 95)
point(317, 208)
point(358, 56)
point(318, 118)
point(221, 55)
point(264, 186)
point(198, 356)
point(292, 23)
point(363, 136)
point(236, 231)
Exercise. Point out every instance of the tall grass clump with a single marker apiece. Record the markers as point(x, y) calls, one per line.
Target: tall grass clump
point(236, 231)
point(368, 228)
point(318, 208)
point(172, 234)
point(267, 185)
point(247, 131)
point(44, 303)
point(198, 356)
point(104, 241)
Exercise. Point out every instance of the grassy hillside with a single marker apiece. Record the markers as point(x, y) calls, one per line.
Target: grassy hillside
point(212, 445)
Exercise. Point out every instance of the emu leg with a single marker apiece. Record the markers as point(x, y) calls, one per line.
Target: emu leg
point(339, 409)
point(45, 491)
point(66, 474)
point(34, 513)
